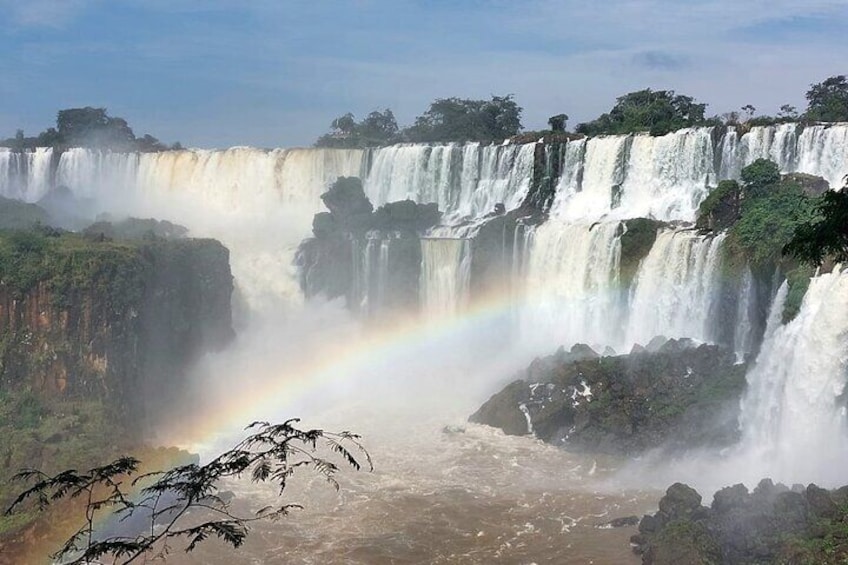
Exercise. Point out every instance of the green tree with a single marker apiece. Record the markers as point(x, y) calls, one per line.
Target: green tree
point(828, 100)
point(457, 119)
point(93, 127)
point(558, 122)
point(656, 111)
point(759, 177)
point(271, 454)
point(826, 235)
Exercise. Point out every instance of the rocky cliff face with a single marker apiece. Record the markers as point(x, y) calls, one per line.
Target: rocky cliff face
point(771, 524)
point(370, 257)
point(672, 394)
point(83, 318)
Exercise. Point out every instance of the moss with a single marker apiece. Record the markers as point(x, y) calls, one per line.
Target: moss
point(720, 209)
point(636, 242)
point(798, 281)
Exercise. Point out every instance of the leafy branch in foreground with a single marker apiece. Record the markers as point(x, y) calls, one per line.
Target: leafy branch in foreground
point(185, 503)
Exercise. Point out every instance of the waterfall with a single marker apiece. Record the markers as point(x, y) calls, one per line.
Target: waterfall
point(676, 288)
point(445, 276)
point(743, 335)
point(572, 292)
point(25, 175)
point(464, 180)
point(793, 416)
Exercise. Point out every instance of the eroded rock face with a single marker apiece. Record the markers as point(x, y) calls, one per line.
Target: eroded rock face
point(676, 395)
point(771, 524)
point(370, 257)
point(113, 322)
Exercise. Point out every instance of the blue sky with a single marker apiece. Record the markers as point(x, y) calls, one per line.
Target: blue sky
point(268, 73)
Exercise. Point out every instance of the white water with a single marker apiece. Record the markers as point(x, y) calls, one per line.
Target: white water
point(793, 420)
point(676, 288)
point(464, 180)
point(25, 176)
point(445, 276)
point(572, 292)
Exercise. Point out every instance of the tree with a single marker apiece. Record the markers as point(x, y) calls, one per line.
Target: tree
point(828, 100)
point(759, 177)
point(344, 124)
point(827, 234)
point(457, 119)
point(378, 127)
point(558, 122)
point(749, 110)
point(273, 453)
point(93, 127)
point(658, 112)
point(788, 112)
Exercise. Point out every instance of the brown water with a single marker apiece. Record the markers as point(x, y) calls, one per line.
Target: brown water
point(436, 496)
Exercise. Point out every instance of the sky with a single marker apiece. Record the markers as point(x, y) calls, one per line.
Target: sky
point(274, 73)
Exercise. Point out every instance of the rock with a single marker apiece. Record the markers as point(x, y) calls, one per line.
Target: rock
point(820, 502)
point(502, 410)
point(622, 522)
point(346, 198)
point(679, 397)
point(730, 498)
point(582, 351)
point(656, 343)
point(608, 352)
point(772, 524)
point(680, 501)
point(721, 208)
point(810, 184)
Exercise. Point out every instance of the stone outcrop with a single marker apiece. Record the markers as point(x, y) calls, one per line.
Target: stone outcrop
point(771, 524)
point(370, 257)
point(119, 322)
point(676, 395)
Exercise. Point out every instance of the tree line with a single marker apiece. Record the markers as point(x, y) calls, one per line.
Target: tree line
point(655, 111)
point(88, 127)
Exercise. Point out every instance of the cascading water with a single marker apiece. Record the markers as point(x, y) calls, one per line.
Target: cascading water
point(25, 175)
point(743, 335)
point(676, 289)
point(572, 292)
point(794, 414)
point(464, 180)
point(445, 276)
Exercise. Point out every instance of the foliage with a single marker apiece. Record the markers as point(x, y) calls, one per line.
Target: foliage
point(759, 178)
point(656, 111)
point(88, 127)
point(826, 235)
point(828, 100)
point(558, 122)
point(769, 218)
point(273, 453)
point(798, 281)
point(719, 210)
point(376, 129)
point(457, 119)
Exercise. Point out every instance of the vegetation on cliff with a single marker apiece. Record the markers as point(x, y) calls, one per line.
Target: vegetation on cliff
point(87, 127)
point(447, 119)
point(771, 524)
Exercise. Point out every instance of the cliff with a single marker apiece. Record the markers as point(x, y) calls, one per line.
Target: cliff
point(114, 321)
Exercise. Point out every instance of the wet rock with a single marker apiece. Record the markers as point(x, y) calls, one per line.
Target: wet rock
point(730, 498)
point(622, 522)
point(812, 185)
point(678, 397)
point(656, 343)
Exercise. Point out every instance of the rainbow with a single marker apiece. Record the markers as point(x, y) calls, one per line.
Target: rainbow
point(334, 364)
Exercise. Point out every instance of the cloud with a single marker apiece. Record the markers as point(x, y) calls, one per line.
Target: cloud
point(44, 13)
point(268, 73)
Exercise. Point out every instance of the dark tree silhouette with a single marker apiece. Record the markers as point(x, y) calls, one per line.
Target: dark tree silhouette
point(273, 453)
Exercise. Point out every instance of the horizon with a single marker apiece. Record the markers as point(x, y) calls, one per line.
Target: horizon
point(221, 74)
